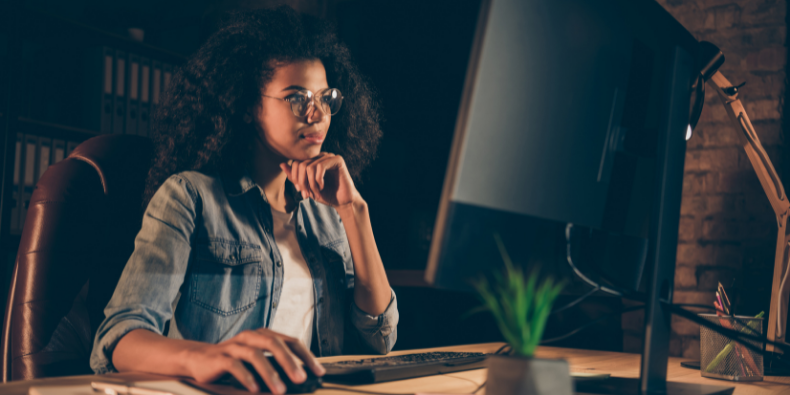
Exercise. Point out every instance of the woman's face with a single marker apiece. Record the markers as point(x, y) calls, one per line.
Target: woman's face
point(279, 130)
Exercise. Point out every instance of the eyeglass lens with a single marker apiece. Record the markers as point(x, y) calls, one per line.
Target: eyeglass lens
point(330, 100)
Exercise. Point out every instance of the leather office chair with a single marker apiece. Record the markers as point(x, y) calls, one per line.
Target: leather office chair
point(79, 232)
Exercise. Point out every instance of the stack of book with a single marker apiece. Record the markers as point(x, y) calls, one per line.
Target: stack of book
point(33, 155)
point(119, 92)
point(123, 90)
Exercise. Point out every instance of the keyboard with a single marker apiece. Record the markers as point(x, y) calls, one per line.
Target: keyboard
point(376, 370)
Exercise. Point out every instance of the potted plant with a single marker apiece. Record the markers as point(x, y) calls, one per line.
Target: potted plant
point(521, 306)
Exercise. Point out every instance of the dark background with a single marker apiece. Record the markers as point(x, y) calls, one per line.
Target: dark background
point(415, 54)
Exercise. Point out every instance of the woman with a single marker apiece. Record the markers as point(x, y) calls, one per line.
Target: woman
point(255, 239)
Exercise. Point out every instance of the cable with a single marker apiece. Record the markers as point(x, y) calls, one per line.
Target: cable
point(501, 349)
point(577, 301)
point(736, 319)
point(729, 333)
point(576, 270)
point(611, 288)
point(337, 387)
point(591, 323)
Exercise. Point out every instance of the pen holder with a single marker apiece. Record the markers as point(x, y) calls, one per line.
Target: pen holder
point(723, 358)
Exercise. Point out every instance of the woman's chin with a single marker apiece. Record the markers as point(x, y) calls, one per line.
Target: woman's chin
point(307, 154)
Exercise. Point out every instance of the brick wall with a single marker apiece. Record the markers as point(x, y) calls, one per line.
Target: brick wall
point(727, 228)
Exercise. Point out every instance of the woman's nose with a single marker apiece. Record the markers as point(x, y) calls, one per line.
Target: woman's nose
point(316, 113)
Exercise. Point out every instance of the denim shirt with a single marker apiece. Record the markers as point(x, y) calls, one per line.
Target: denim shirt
point(205, 261)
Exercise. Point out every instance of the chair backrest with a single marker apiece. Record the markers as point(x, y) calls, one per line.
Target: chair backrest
point(79, 232)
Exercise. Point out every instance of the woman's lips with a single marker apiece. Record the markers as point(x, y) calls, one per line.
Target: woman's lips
point(315, 138)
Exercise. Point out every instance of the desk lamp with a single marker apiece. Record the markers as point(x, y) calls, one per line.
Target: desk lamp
point(774, 190)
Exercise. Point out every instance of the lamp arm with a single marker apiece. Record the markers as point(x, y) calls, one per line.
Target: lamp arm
point(775, 192)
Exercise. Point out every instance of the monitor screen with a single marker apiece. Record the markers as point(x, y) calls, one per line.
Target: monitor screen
point(556, 140)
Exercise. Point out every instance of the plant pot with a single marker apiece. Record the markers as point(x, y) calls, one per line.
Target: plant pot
point(514, 375)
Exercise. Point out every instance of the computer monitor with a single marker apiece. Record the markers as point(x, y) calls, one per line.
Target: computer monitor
point(571, 137)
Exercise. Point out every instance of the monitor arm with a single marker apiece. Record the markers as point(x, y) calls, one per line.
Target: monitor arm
point(773, 188)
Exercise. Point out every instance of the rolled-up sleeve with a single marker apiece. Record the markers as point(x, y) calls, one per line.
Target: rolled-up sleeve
point(377, 332)
point(152, 277)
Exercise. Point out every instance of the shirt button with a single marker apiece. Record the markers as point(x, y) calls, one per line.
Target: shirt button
point(298, 227)
point(324, 342)
point(274, 304)
point(279, 263)
point(321, 300)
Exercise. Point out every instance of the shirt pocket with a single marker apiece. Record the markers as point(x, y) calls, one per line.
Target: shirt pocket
point(335, 251)
point(226, 278)
point(338, 262)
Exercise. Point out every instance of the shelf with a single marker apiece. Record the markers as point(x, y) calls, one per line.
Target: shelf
point(40, 25)
point(54, 130)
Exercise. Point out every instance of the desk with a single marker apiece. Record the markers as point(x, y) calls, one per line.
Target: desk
point(618, 364)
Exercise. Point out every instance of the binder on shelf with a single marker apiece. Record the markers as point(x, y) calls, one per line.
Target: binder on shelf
point(145, 97)
point(132, 93)
point(70, 145)
point(28, 181)
point(43, 155)
point(156, 84)
point(15, 201)
point(99, 101)
point(119, 121)
point(167, 73)
point(58, 151)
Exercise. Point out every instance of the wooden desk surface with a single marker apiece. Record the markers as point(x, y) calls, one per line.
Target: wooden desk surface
point(615, 363)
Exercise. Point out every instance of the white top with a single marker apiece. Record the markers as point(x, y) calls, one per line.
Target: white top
point(294, 314)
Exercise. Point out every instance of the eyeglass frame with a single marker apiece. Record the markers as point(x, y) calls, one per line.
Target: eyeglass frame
point(310, 96)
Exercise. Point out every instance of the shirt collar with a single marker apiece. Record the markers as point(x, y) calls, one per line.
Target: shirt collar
point(240, 184)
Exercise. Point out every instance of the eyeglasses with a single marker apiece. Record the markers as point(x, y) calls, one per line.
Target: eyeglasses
point(302, 101)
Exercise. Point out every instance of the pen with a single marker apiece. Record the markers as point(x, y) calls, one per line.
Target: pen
point(123, 389)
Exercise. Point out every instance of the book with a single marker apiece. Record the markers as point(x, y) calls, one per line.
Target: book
point(15, 201)
point(132, 94)
point(119, 117)
point(171, 386)
point(98, 91)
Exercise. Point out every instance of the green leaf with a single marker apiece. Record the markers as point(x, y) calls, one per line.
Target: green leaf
point(519, 304)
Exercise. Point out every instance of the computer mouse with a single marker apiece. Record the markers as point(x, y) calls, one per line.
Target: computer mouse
point(310, 384)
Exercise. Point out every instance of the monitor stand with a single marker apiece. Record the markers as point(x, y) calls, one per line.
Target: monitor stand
point(630, 386)
point(671, 152)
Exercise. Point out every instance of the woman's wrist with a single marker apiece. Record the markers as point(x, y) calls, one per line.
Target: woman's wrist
point(187, 355)
point(352, 210)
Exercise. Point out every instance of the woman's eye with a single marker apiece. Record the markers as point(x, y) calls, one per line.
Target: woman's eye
point(298, 99)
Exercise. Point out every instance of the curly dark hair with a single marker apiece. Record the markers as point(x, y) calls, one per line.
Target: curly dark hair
point(199, 125)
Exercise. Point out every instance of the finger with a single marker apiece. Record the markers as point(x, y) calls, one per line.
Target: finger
point(237, 370)
point(314, 189)
point(288, 360)
point(307, 357)
point(309, 176)
point(271, 341)
point(302, 179)
point(262, 365)
point(320, 168)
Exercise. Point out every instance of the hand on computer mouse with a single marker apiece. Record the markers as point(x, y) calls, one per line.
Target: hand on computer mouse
point(210, 362)
point(309, 385)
